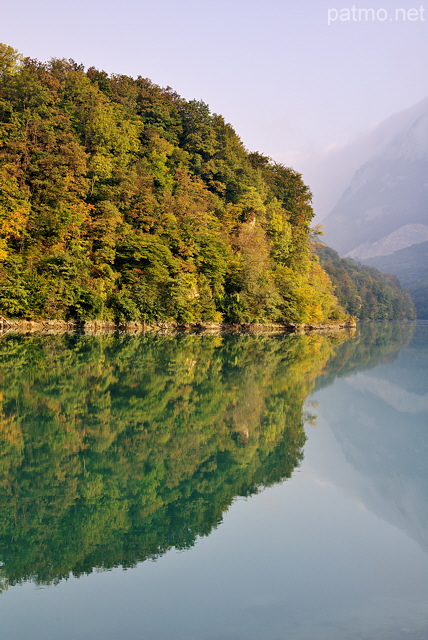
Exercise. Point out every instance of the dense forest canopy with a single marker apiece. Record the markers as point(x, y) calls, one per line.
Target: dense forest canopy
point(120, 200)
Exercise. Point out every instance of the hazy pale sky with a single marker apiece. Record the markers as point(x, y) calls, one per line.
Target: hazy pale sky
point(288, 82)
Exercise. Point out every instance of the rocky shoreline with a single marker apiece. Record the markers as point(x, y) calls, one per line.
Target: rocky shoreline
point(44, 326)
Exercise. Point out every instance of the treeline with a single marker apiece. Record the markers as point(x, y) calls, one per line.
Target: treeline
point(365, 292)
point(120, 200)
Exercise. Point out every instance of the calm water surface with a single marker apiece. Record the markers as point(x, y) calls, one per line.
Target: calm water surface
point(215, 488)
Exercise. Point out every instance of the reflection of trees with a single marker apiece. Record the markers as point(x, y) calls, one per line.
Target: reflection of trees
point(373, 344)
point(379, 419)
point(115, 449)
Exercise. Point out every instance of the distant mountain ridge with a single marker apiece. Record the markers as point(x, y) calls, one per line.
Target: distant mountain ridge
point(384, 210)
point(406, 236)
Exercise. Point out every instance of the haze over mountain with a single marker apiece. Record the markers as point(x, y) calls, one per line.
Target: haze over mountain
point(382, 216)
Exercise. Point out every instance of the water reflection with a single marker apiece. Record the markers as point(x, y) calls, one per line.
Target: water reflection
point(380, 419)
point(115, 449)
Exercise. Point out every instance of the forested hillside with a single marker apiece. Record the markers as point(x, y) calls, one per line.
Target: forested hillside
point(120, 200)
point(365, 292)
point(410, 265)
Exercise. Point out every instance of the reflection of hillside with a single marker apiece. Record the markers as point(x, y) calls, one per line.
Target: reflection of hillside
point(373, 344)
point(399, 399)
point(115, 449)
point(381, 425)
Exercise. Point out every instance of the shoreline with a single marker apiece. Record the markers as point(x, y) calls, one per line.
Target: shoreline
point(45, 326)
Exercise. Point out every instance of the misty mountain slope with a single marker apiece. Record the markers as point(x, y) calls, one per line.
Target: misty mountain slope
point(385, 196)
point(384, 210)
point(329, 174)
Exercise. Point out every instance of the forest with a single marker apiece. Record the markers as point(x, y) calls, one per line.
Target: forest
point(121, 201)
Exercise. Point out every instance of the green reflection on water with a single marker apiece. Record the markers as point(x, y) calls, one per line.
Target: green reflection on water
point(114, 449)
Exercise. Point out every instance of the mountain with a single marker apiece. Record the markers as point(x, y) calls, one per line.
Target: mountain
point(384, 209)
point(329, 172)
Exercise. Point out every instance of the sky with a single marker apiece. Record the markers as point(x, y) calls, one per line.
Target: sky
point(293, 78)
